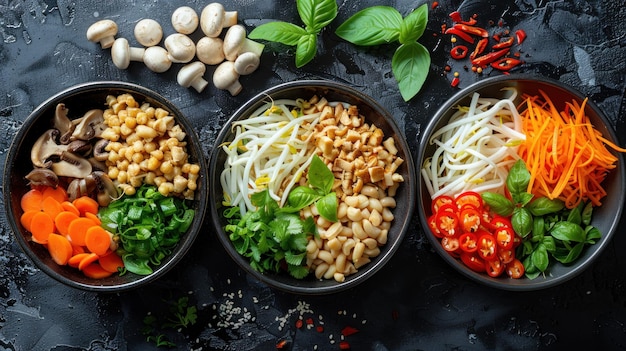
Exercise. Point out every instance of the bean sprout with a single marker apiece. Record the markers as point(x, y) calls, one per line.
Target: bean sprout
point(475, 149)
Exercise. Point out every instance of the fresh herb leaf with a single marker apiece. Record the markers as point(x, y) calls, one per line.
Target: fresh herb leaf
point(327, 207)
point(316, 14)
point(539, 257)
point(279, 32)
point(522, 221)
point(301, 197)
point(542, 206)
point(410, 65)
point(374, 25)
point(498, 203)
point(320, 176)
point(568, 231)
point(517, 181)
point(413, 26)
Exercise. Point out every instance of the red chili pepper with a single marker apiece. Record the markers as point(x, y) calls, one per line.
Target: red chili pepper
point(508, 42)
point(454, 31)
point(496, 37)
point(515, 269)
point(309, 321)
point(458, 52)
point(494, 267)
point(344, 345)
point(480, 48)
point(473, 261)
point(434, 5)
point(486, 59)
point(348, 330)
point(468, 242)
point(505, 64)
point(472, 30)
point(281, 344)
point(319, 329)
point(456, 16)
point(455, 82)
point(299, 323)
point(520, 35)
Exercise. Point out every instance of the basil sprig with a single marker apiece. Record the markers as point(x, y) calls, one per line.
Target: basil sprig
point(379, 25)
point(315, 14)
point(548, 229)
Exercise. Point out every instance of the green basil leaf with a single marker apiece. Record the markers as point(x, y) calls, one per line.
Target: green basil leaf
point(575, 215)
point(540, 258)
point(320, 176)
point(586, 214)
point(498, 203)
point(410, 65)
point(137, 265)
point(316, 14)
point(568, 256)
point(301, 197)
point(279, 32)
point(530, 271)
point(518, 179)
point(374, 25)
point(592, 234)
point(542, 206)
point(413, 25)
point(306, 49)
point(549, 243)
point(568, 231)
point(522, 221)
point(327, 207)
point(539, 228)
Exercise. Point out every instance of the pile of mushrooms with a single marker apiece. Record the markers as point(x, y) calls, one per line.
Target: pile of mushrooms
point(73, 152)
point(224, 43)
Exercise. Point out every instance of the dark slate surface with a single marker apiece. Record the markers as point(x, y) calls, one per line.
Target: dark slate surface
point(416, 302)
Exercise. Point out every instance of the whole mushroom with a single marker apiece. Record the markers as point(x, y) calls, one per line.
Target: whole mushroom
point(102, 32)
point(226, 78)
point(157, 59)
point(191, 75)
point(180, 48)
point(122, 53)
point(210, 50)
point(148, 32)
point(185, 20)
point(247, 63)
point(214, 18)
point(236, 42)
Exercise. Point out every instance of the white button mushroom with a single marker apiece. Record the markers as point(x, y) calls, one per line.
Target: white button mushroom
point(214, 18)
point(225, 78)
point(236, 42)
point(156, 59)
point(148, 32)
point(180, 48)
point(185, 20)
point(247, 63)
point(102, 32)
point(210, 50)
point(122, 53)
point(191, 75)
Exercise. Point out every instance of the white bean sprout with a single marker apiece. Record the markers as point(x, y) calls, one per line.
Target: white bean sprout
point(475, 149)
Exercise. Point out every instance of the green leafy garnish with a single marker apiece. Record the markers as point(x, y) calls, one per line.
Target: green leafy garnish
point(149, 226)
point(548, 229)
point(181, 316)
point(379, 25)
point(315, 15)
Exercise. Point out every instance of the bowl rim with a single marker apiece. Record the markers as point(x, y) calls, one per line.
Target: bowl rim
point(503, 283)
point(73, 91)
point(380, 260)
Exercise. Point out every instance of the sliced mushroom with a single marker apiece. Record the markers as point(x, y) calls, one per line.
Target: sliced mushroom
point(97, 165)
point(99, 150)
point(106, 189)
point(81, 187)
point(42, 176)
point(80, 147)
point(71, 165)
point(63, 123)
point(90, 125)
point(45, 147)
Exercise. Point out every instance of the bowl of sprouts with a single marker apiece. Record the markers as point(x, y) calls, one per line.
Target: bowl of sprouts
point(313, 187)
point(105, 186)
point(521, 182)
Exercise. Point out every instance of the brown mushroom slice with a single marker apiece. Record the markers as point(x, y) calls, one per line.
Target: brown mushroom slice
point(81, 187)
point(90, 125)
point(99, 150)
point(106, 189)
point(81, 147)
point(42, 176)
point(45, 147)
point(63, 123)
point(71, 165)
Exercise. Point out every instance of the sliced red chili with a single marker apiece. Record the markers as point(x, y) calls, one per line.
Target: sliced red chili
point(348, 330)
point(466, 37)
point(474, 262)
point(456, 16)
point(469, 197)
point(455, 82)
point(504, 237)
point(468, 242)
point(506, 63)
point(520, 36)
point(448, 208)
point(432, 224)
point(480, 48)
point(458, 52)
point(434, 5)
point(441, 200)
point(515, 269)
point(506, 255)
point(487, 247)
point(473, 30)
point(469, 219)
point(494, 268)
point(486, 59)
point(450, 244)
point(344, 345)
point(499, 222)
point(447, 222)
point(508, 42)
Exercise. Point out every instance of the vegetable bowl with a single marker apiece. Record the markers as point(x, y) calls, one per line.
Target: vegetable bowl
point(296, 205)
point(68, 199)
point(521, 182)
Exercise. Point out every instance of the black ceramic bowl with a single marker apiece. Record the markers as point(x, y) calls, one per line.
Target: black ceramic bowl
point(605, 217)
point(405, 198)
point(79, 99)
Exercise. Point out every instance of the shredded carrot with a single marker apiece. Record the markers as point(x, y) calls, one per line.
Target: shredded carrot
point(77, 230)
point(31, 200)
point(95, 271)
point(567, 157)
point(41, 226)
point(111, 262)
point(86, 204)
point(63, 221)
point(97, 240)
point(60, 248)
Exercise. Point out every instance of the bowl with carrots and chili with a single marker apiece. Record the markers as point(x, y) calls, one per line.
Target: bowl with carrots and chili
point(105, 186)
point(521, 182)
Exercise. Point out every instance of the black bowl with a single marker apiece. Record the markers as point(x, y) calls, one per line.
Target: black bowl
point(405, 197)
point(605, 217)
point(79, 99)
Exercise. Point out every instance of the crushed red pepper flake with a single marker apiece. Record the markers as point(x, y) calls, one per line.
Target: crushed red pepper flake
point(344, 345)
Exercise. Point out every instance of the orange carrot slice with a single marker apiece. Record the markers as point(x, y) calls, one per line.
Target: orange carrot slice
point(60, 248)
point(75, 260)
point(62, 221)
point(78, 229)
point(31, 200)
point(57, 193)
point(51, 206)
point(87, 260)
point(97, 240)
point(77, 249)
point(26, 218)
point(68, 206)
point(95, 271)
point(111, 262)
point(93, 217)
point(41, 226)
point(86, 204)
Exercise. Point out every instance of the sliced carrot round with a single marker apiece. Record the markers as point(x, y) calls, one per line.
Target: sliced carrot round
point(51, 206)
point(31, 200)
point(68, 206)
point(57, 193)
point(86, 204)
point(97, 240)
point(95, 271)
point(26, 218)
point(111, 262)
point(87, 260)
point(75, 260)
point(93, 217)
point(63, 220)
point(78, 229)
point(60, 249)
point(41, 226)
